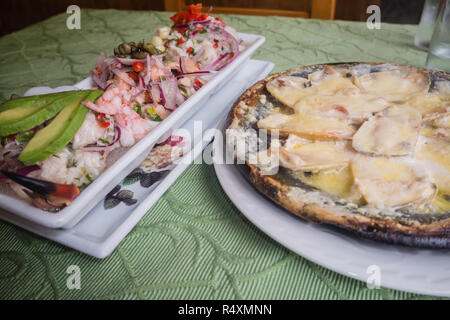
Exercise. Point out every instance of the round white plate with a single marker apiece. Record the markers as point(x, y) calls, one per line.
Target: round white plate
point(423, 271)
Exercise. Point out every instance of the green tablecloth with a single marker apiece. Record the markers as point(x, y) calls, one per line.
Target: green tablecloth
point(193, 244)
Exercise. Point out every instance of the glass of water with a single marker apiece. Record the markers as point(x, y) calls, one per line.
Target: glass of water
point(439, 50)
point(426, 25)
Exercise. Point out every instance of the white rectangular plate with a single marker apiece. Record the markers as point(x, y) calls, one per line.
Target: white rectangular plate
point(102, 230)
point(96, 191)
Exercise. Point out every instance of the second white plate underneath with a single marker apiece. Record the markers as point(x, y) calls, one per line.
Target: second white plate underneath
point(423, 271)
point(102, 230)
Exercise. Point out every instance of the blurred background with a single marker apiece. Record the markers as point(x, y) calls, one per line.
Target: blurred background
point(17, 14)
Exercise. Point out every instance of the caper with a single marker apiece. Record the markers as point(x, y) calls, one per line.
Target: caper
point(125, 48)
point(151, 48)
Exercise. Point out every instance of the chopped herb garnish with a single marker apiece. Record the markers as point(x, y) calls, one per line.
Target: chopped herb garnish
point(203, 31)
point(183, 89)
point(163, 78)
point(84, 185)
point(25, 136)
point(153, 115)
point(138, 109)
point(105, 141)
point(72, 165)
point(89, 178)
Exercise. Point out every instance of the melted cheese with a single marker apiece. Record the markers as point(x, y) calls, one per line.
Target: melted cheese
point(391, 183)
point(349, 104)
point(394, 85)
point(336, 182)
point(290, 89)
point(392, 132)
point(427, 102)
point(392, 105)
point(313, 156)
point(308, 125)
point(434, 153)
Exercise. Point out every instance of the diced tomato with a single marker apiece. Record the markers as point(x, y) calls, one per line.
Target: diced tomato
point(102, 120)
point(98, 70)
point(215, 45)
point(182, 30)
point(193, 13)
point(138, 66)
point(189, 50)
point(198, 82)
point(180, 41)
point(218, 19)
point(134, 76)
point(195, 9)
point(148, 97)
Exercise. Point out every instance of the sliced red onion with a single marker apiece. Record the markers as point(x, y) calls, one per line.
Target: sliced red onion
point(181, 65)
point(202, 22)
point(161, 95)
point(141, 82)
point(26, 170)
point(235, 45)
point(97, 148)
point(172, 141)
point(128, 61)
point(155, 92)
point(148, 75)
point(23, 171)
point(196, 73)
point(212, 65)
point(169, 88)
point(107, 86)
point(126, 69)
point(102, 71)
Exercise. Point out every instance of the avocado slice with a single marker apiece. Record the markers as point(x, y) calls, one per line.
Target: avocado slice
point(33, 101)
point(54, 137)
point(34, 113)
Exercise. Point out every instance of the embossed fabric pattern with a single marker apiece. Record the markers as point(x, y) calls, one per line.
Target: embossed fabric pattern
point(193, 243)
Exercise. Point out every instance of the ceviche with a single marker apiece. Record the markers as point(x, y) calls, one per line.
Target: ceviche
point(54, 145)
